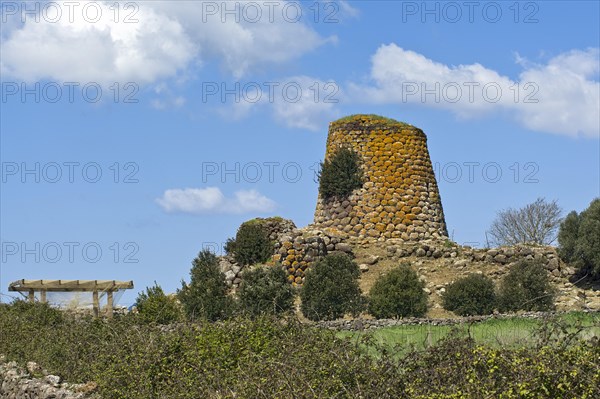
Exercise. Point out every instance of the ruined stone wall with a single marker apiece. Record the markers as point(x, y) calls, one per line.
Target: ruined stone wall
point(19, 383)
point(301, 248)
point(400, 197)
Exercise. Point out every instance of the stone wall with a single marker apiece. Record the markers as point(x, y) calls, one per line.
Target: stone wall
point(276, 227)
point(19, 383)
point(502, 255)
point(372, 324)
point(301, 248)
point(295, 249)
point(400, 197)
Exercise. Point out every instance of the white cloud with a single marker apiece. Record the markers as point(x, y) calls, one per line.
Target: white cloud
point(105, 51)
point(299, 102)
point(212, 200)
point(347, 10)
point(168, 38)
point(561, 97)
point(308, 104)
point(166, 99)
point(569, 97)
point(246, 35)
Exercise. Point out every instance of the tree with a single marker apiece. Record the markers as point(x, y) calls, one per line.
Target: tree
point(154, 306)
point(331, 289)
point(471, 295)
point(526, 287)
point(340, 175)
point(398, 294)
point(265, 290)
point(535, 223)
point(579, 239)
point(252, 244)
point(205, 297)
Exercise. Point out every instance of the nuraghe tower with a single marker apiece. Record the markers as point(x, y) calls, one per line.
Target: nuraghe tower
point(400, 197)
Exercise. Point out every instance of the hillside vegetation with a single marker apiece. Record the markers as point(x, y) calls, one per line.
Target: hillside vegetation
point(241, 358)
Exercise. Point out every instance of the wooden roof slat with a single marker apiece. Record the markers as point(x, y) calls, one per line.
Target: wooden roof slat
point(69, 285)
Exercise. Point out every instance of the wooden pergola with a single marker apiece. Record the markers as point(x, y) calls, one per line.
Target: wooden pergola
point(93, 286)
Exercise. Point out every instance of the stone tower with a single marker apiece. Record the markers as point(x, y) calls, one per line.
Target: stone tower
point(400, 197)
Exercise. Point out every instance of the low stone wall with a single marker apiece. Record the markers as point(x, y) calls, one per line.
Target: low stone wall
point(19, 383)
point(502, 255)
point(371, 324)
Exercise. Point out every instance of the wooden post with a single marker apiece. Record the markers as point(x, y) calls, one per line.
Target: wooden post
point(31, 296)
point(109, 304)
point(96, 304)
point(43, 296)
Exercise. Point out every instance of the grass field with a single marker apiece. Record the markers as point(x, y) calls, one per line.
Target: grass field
point(507, 333)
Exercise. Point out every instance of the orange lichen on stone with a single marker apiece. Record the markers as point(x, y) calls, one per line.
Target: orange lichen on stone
point(399, 189)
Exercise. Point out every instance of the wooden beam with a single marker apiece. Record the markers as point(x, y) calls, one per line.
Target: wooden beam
point(96, 303)
point(31, 296)
point(43, 296)
point(70, 285)
point(109, 304)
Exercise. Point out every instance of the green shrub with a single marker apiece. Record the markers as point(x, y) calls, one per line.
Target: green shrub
point(498, 372)
point(235, 358)
point(579, 239)
point(238, 358)
point(331, 289)
point(252, 244)
point(36, 313)
point(567, 237)
point(399, 293)
point(205, 297)
point(265, 290)
point(526, 287)
point(230, 246)
point(155, 307)
point(340, 174)
point(471, 295)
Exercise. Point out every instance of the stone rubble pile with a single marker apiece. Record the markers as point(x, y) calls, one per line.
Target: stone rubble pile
point(19, 383)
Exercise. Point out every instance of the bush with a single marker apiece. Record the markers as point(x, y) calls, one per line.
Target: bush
point(331, 289)
point(252, 244)
point(36, 313)
point(235, 358)
point(239, 358)
point(266, 290)
point(579, 239)
point(230, 246)
point(398, 294)
point(206, 295)
point(155, 307)
point(471, 295)
point(340, 174)
point(526, 287)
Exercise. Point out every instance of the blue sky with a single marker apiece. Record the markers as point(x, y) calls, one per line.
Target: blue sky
point(134, 134)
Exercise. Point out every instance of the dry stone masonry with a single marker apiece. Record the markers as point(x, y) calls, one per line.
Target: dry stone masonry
point(295, 249)
point(362, 324)
point(400, 197)
point(276, 228)
point(301, 248)
point(19, 383)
